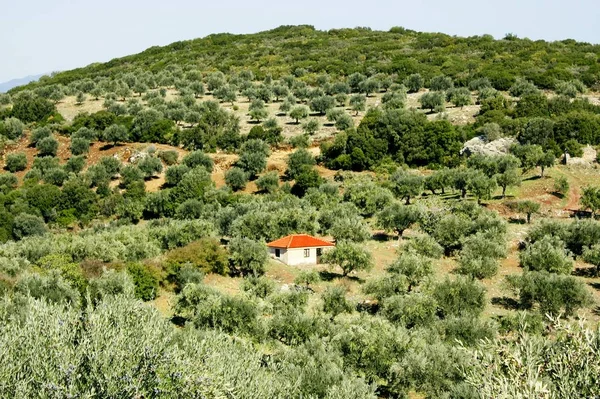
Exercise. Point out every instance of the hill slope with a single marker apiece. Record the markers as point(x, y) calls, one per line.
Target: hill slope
point(343, 51)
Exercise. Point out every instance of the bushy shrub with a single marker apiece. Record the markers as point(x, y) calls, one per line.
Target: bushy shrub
point(247, 257)
point(462, 296)
point(79, 146)
point(174, 174)
point(414, 310)
point(269, 182)
point(205, 255)
point(547, 254)
point(260, 287)
point(25, 225)
point(169, 157)
point(236, 179)
point(145, 281)
point(12, 128)
point(198, 158)
point(553, 293)
point(335, 302)
point(48, 146)
point(150, 166)
point(16, 162)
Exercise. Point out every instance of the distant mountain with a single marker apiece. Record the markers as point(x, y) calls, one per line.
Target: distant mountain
point(6, 86)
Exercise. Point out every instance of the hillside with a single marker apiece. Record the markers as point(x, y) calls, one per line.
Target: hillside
point(339, 52)
point(137, 198)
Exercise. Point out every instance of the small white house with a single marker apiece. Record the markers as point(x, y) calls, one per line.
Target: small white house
point(298, 249)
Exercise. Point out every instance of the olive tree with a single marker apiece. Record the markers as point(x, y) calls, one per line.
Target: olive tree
point(247, 257)
point(349, 257)
point(236, 179)
point(547, 254)
point(115, 134)
point(397, 217)
point(16, 162)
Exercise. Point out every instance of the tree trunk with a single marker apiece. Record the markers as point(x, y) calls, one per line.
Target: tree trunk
point(463, 192)
point(408, 200)
point(528, 218)
point(503, 191)
point(541, 167)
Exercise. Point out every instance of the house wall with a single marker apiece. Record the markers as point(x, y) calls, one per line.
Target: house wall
point(295, 256)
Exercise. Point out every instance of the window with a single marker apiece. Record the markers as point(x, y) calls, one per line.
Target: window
point(307, 253)
point(277, 253)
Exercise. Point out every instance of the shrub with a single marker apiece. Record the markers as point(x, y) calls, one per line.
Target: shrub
point(56, 176)
point(174, 174)
point(25, 225)
point(144, 280)
point(112, 166)
point(150, 166)
point(269, 182)
point(236, 179)
point(414, 310)
point(16, 162)
point(260, 287)
point(39, 134)
point(169, 157)
point(247, 257)
point(547, 254)
point(79, 146)
point(198, 158)
point(462, 296)
point(47, 147)
point(205, 255)
point(12, 128)
point(51, 287)
point(426, 246)
point(334, 301)
point(553, 293)
point(561, 185)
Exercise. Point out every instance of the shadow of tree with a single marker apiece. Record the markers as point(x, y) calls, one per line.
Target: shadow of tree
point(585, 272)
point(330, 276)
point(506, 302)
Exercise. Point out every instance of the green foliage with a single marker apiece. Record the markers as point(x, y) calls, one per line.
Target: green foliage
point(260, 287)
point(414, 310)
point(30, 108)
point(547, 254)
point(335, 302)
point(236, 179)
point(414, 82)
point(348, 257)
point(253, 157)
point(38, 134)
point(205, 255)
point(561, 185)
point(247, 257)
point(297, 160)
point(461, 296)
point(397, 217)
point(48, 146)
point(79, 146)
point(307, 277)
point(115, 134)
point(16, 162)
point(433, 101)
point(11, 128)
point(269, 182)
point(553, 293)
point(150, 166)
point(144, 280)
point(406, 185)
point(299, 112)
point(25, 225)
point(413, 267)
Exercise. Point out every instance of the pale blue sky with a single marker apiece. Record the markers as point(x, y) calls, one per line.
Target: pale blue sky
point(38, 36)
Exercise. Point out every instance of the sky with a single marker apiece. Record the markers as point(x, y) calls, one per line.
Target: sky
point(41, 36)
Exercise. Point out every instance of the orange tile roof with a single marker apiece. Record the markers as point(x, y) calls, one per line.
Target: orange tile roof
point(299, 241)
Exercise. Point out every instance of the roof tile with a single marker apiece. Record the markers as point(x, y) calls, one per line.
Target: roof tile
point(299, 241)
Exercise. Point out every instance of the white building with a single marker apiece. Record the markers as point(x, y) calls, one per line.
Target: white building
point(298, 249)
